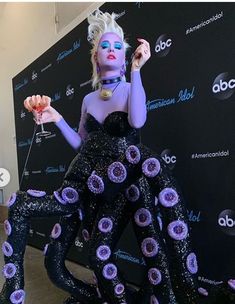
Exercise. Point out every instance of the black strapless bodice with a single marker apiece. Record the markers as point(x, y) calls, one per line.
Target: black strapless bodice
point(110, 138)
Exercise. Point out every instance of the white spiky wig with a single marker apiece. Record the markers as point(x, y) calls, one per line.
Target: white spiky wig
point(99, 24)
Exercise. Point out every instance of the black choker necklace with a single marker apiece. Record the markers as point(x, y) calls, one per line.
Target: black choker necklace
point(113, 80)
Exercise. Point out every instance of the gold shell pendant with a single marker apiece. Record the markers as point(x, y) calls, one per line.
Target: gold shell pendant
point(106, 94)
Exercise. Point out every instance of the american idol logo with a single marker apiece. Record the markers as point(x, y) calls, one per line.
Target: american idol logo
point(60, 168)
point(163, 45)
point(184, 95)
point(22, 114)
point(56, 97)
point(226, 221)
point(70, 91)
point(34, 76)
point(169, 159)
point(21, 84)
point(24, 143)
point(120, 254)
point(223, 86)
point(76, 45)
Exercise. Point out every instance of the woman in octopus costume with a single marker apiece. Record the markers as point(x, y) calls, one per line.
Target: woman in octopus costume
point(113, 178)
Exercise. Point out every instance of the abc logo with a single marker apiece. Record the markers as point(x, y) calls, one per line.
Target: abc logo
point(34, 75)
point(226, 221)
point(70, 91)
point(163, 45)
point(223, 86)
point(169, 159)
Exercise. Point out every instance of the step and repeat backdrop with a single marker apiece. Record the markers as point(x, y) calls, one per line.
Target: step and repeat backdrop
point(189, 83)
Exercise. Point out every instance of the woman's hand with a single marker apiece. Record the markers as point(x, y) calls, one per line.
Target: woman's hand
point(141, 55)
point(47, 112)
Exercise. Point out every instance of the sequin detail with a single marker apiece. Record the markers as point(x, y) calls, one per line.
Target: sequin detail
point(154, 276)
point(70, 195)
point(168, 197)
point(178, 230)
point(119, 289)
point(117, 172)
point(191, 263)
point(56, 231)
point(231, 283)
point(103, 252)
point(151, 167)
point(7, 227)
point(9, 270)
point(203, 291)
point(11, 200)
point(105, 225)
point(132, 193)
point(80, 214)
point(45, 249)
point(153, 300)
point(36, 193)
point(149, 247)
point(95, 184)
point(7, 249)
point(110, 271)
point(17, 296)
point(143, 217)
point(59, 198)
point(86, 235)
point(132, 154)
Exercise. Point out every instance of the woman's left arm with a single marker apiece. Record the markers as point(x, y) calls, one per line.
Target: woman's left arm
point(137, 111)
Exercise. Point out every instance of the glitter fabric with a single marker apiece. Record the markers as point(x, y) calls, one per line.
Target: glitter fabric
point(106, 215)
point(133, 154)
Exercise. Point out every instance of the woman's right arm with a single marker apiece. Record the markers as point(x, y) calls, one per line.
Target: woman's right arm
point(73, 138)
point(49, 114)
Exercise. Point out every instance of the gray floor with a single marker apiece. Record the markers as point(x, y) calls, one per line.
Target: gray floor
point(39, 289)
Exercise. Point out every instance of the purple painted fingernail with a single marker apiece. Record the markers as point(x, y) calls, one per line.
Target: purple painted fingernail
point(132, 154)
point(36, 193)
point(168, 197)
point(7, 249)
point(56, 231)
point(117, 172)
point(9, 270)
point(7, 227)
point(178, 230)
point(151, 167)
point(70, 195)
point(95, 184)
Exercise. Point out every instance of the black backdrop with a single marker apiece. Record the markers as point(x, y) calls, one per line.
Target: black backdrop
point(189, 83)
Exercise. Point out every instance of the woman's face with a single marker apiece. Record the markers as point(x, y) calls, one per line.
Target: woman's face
point(110, 52)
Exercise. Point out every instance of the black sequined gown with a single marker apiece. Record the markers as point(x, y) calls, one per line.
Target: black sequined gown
point(113, 178)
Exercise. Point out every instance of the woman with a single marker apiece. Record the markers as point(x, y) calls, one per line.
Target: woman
point(112, 176)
